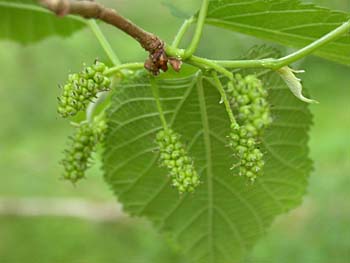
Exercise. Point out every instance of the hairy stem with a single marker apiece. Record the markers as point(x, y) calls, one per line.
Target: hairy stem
point(104, 43)
point(258, 63)
point(209, 64)
point(199, 29)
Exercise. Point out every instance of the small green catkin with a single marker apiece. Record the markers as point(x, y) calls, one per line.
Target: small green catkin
point(249, 101)
point(174, 156)
point(81, 88)
point(249, 97)
point(77, 157)
point(250, 157)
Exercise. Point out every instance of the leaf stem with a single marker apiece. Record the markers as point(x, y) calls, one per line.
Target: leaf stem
point(104, 42)
point(331, 36)
point(130, 66)
point(199, 29)
point(182, 31)
point(207, 63)
point(256, 63)
point(284, 61)
point(155, 91)
point(224, 98)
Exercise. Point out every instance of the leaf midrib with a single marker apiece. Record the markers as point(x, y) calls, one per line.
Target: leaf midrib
point(207, 143)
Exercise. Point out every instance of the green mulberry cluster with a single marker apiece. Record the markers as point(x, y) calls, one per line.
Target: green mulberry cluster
point(249, 101)
point(78, 156)
point(81, 88)
point(174, 156)
point(250, 157)
point(249, 98)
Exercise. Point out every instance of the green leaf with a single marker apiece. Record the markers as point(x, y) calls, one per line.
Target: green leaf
point(25, 21)
point(225, 216)
point(287, 22)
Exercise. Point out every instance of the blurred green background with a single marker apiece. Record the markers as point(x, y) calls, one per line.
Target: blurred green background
point(32, 139)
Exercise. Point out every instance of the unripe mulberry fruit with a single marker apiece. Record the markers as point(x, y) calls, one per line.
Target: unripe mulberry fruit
point(250, 157)
point(174, 156)
point(81, 88)
point(77, 157)
point(249, 98)
point(249, 101)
